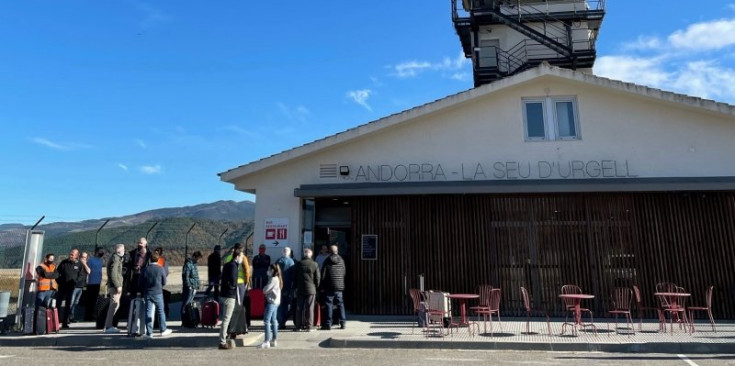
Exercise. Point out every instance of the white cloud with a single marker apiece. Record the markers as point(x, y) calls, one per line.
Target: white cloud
point(448, 67)
point(644, 43)
point(361, 97)
point(712, 35)
point(151, 16)
point(695, 61)
point(298, 113)
point(49, 143)
point(639, 70)
point(141, 143)
point(63, 146)
point(150, 169)
point(411, 68)
point(239, 130)
point(123, 167)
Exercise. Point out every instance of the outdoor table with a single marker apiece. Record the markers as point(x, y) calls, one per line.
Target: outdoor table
point(463, 305)
point(577, 311)
point(675, 301)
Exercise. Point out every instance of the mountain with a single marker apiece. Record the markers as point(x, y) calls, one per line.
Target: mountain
point(14, 234)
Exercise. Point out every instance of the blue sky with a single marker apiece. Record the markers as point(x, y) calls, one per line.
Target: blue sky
point(110, 108)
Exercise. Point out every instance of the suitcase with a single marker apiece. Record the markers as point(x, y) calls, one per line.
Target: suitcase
point(52, 320)
point(238, 322)
point(29, 315)
point(136, 317)
point(257, 303)
point(191, 316)
point(40, 321)
point(210, 313)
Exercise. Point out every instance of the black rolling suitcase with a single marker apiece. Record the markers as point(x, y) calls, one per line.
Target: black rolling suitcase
point(40, 322)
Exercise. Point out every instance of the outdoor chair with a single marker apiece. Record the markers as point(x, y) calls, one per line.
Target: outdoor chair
point(707, 308)
point(642, 308)
point(439, 314)
point(675, 306)
point(529, 311)
point(419, 309)
point(621, 301)
point(484, 299)
point(569, 304)
point(493, 308)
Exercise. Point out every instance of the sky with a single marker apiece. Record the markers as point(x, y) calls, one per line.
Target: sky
point(109, 108)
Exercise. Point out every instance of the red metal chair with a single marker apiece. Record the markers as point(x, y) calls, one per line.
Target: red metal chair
point(707, 308)
point(416, 297)
point(493, 308)
point(484, 299)
point(439, 309)
point(676, 307)
point(527, 306)
point(621, 300)
point(570, 304)
point(642, 308)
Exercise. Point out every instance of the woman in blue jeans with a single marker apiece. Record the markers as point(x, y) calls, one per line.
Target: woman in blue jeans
point(272, 293)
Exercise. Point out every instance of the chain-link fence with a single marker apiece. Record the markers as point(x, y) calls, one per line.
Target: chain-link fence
point(178, 237)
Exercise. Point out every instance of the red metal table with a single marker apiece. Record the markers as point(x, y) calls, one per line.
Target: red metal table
point(577, 311)
point(674, 301)
point(463, 305)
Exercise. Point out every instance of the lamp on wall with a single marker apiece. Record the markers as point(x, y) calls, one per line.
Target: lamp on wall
point(344, 170)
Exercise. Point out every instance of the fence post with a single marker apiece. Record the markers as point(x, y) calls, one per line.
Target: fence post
point(186, 247)
point(96, 235)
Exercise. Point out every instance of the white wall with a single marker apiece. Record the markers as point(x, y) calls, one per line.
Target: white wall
point(656, 138)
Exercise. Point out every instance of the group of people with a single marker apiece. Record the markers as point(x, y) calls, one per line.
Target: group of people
point(64, 284)
point(290, 288)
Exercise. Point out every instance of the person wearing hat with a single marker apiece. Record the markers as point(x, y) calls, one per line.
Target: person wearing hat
point(214, 271)
point(261, 262)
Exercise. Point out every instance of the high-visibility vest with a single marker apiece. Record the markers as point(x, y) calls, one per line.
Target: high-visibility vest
point(243, 272)
point(46, 284)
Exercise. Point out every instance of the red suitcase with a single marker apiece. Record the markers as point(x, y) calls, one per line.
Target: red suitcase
point(210, 313)
point(257, 303)
point(317, 314)
point(52, 320)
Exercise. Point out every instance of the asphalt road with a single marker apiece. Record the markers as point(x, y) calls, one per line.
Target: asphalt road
point(321, 356)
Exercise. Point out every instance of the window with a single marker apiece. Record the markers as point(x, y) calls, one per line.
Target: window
point(551, 118)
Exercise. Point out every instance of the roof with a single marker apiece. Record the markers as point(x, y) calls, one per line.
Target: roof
point(544, 69)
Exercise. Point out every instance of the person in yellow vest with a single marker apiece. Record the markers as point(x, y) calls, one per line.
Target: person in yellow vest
point(243, 279)
point(46, 280)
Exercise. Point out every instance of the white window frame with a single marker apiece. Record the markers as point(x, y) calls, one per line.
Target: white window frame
point(551, 125)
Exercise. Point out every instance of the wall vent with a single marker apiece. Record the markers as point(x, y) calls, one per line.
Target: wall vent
point(327, 171)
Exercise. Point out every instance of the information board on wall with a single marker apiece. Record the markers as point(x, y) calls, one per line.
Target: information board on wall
point(369, 247)
point(276, 232)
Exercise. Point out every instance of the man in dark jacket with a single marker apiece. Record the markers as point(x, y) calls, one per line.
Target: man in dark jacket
point(152, 280)
point(306, 275)
point(333, 284)
point(261, 262)
point(137, 260)
point(229, 295)
point(214, 271)
point(71, 281)
point(114, 285)
point(190, 279)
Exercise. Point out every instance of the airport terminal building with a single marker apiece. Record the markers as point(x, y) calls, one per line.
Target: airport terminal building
point(542, 177)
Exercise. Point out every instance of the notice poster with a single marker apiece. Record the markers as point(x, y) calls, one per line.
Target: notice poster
point(369, 247)
point(276, 232)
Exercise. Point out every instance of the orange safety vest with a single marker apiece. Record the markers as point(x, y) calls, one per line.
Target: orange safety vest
point(45, 284)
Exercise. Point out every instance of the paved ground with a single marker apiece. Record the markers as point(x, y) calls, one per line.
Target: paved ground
point(284, 355)
point(398, 333)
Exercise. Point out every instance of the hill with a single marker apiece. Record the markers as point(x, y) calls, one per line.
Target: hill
point(14, 234)
point(222, 222)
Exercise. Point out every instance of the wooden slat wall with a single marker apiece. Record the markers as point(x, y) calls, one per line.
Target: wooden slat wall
point(597, 241)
